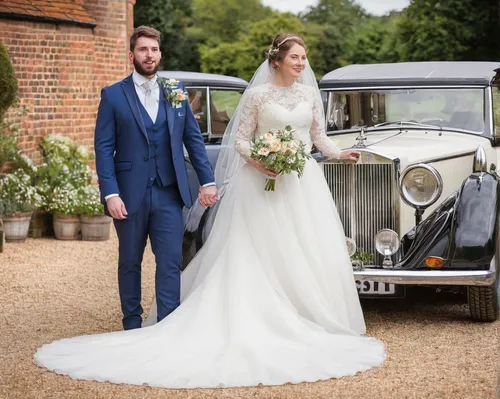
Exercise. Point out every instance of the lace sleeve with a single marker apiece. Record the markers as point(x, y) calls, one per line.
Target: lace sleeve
point(326, 146)
point(247, 125)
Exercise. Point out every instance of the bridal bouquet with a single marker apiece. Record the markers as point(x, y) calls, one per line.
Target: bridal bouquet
point(280, 152)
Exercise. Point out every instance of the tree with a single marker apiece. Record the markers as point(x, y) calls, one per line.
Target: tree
point(374, 41)
point(450, 30)
point(8, 81)
point(216, 23)
point(339, 19)
point(221, 59)
point(172, 18)
point(242, 57)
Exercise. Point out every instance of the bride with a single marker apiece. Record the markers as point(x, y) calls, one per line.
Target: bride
point(270, 298)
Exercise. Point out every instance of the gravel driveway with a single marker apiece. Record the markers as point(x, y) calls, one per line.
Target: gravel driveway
point(52, 289)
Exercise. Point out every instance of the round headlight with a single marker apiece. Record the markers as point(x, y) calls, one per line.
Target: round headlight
point(351, 246)
point(420, 185)
point(387, 242)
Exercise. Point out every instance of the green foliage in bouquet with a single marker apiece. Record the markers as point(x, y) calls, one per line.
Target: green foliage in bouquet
point(89, 201)
point(17, 193)
point(280, 152)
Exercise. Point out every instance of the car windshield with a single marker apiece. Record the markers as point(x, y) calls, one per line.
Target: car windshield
point(460, 108)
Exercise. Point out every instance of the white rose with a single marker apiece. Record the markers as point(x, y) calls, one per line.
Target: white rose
point(264, 151)
point(275, 146)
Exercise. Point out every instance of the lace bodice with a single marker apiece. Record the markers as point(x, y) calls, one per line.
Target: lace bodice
point(273, 107)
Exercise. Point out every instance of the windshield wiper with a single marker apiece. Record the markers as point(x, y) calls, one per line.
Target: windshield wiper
point(406, 123)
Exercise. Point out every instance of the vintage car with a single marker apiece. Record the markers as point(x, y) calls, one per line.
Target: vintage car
point(213, 99)
point(421, 205)
point(428, 133)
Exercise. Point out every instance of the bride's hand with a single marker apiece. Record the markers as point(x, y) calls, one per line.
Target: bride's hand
point(350, 155)
point(261, 168)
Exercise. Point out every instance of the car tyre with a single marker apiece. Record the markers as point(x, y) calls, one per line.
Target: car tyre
point(484, 302)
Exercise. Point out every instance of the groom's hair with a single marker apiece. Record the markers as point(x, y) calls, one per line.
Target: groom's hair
point(146, 31)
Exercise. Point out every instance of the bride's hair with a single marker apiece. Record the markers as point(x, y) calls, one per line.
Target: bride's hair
point(280, 46)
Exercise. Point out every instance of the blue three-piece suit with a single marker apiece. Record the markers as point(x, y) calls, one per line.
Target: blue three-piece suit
point(143, 162)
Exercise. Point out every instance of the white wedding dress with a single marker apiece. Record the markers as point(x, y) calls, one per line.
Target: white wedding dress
point(269, 299)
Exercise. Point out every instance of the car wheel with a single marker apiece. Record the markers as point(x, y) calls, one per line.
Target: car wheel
point(484, 302)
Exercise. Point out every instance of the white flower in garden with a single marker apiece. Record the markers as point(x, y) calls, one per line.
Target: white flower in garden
point(27, 159)
point(83, 151)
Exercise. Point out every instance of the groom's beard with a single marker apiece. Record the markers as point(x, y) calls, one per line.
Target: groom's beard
point(140, 70)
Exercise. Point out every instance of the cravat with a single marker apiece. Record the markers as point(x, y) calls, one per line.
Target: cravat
point(150, 102)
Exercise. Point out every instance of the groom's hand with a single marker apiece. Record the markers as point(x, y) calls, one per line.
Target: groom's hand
point(207, 196)
point(116, 208)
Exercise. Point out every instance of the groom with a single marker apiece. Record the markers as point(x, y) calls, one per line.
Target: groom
point(139, 136)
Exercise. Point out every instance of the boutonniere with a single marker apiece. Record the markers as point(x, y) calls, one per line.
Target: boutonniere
point(173, 94)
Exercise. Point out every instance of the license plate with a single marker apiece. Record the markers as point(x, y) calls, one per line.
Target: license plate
point(375, 288)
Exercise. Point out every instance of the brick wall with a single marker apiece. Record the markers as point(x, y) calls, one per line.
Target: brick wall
point(61, 69)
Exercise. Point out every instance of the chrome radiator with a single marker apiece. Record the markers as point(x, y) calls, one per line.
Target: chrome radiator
point(367, 199)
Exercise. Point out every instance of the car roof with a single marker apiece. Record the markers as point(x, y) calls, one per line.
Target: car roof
point(412, 73)
point(204, 79)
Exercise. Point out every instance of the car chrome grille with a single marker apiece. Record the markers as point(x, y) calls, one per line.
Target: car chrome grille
point(365, 196)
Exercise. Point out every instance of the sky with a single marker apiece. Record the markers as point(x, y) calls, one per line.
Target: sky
point(376, 7)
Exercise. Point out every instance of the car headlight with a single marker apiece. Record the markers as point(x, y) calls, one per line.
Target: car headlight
point(387, 242)
point(420, 185)
point(351, 246)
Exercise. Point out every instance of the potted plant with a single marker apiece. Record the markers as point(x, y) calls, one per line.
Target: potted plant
point(95, 225)
point(18, 199)
point(41, 220)
point(64, 205)
point(59, 178)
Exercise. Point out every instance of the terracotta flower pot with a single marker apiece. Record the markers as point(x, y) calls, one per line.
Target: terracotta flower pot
point(66, 227)
point(95, 227)
point(16, 226)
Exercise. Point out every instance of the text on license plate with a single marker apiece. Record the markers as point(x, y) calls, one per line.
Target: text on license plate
point(367, 287)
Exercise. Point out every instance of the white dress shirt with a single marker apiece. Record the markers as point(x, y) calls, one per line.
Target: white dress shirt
point(148, 91)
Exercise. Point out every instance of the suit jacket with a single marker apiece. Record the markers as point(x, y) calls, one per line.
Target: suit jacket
point(122, 148)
